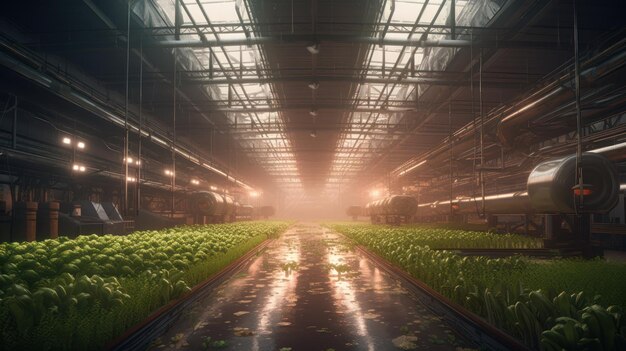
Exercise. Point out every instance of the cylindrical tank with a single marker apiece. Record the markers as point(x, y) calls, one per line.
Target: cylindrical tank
point(374, 208)
point(229, 206)
point(378, 207)
point(208, 203)
point(552, 188)
point(384, 206)
point(401, 205)
point(398, 205)
point(552, 185)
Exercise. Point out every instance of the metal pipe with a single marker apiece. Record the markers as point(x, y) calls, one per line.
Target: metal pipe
point(579, 119)
point(173, 175)
point(482, 132)
point(558, 92)
point(126, 133)
point(386, 28)
point(178, 20)
point(452, 19)
point(614, 153)
point(509, 203)
point(139, 165)
point(451, 184)
point(548, 191)
point(14, 140)
point(103, 17)
point(550, 96)
point(77, 96)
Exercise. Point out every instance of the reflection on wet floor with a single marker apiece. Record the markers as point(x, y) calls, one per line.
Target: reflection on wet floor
point(309, 290)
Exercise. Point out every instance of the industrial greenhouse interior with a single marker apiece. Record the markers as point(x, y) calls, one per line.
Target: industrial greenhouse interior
point(324, 175)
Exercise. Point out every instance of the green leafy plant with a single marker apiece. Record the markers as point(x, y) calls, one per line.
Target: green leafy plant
point(80, 293)
point(552, 305)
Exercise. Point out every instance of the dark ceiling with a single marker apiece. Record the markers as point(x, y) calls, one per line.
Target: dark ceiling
point(523, 42)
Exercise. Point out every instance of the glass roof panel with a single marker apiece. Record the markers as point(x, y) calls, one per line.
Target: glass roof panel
point(262, 130)
point(369, 133)
point(406, 11)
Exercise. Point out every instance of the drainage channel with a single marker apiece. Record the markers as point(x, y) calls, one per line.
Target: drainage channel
point(312, 289)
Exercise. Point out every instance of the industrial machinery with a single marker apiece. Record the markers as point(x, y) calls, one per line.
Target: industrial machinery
point(552, 191)
point(244, 212)
point(354, 212)
point(394, 209)
point(211, 207)
point(88, 217)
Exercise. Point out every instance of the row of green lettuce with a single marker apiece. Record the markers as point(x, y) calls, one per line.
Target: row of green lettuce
point(78, 294)
point(562, 304)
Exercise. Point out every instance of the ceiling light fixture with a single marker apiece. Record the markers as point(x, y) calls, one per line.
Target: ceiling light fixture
point(313, 134)
point(78, 167)
point(314, 85)
point(313, 112)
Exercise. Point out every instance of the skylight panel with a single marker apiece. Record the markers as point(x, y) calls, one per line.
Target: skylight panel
point(220, 11)
point(196, 14)
point(430, 12)
point(406, 11)
point(233, 63)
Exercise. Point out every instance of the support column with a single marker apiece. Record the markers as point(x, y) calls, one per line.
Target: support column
point(25, 221)
point(492, 221)
point(48, 220)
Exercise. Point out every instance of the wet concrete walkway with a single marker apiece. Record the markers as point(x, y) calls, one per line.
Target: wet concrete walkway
point(309, 290)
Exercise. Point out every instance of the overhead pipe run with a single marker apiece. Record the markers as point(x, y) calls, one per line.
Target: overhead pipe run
point(520, 202)
point(561, 91)
point(513, 127)
point(83, 100)
point(614, 153)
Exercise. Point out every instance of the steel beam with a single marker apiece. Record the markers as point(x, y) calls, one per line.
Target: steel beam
point(452, 81)
point(349, 39)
